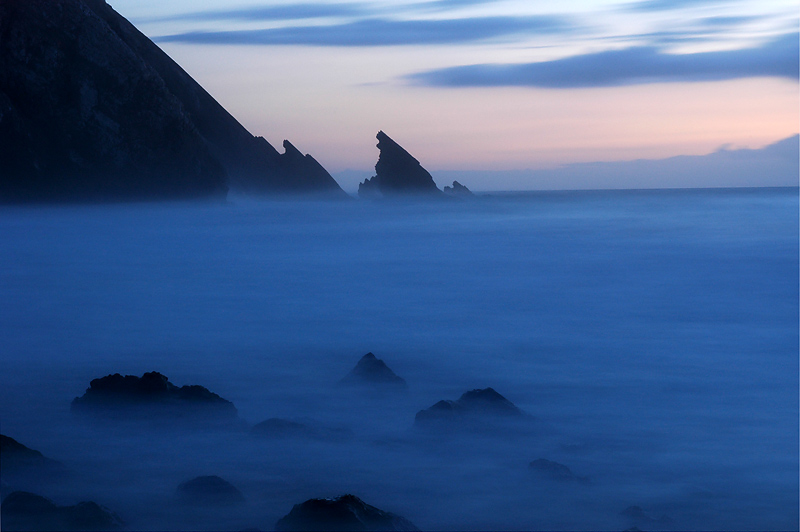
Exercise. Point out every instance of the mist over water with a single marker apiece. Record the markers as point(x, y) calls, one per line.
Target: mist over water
point(652, 336)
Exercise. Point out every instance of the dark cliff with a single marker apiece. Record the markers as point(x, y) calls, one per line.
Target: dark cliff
point(397, 172)
point(90, 109)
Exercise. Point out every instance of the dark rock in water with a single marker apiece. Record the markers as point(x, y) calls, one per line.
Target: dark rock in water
point(26, 511)
point(209, 490)
point(372, 370)
point(554, 471)
point(347, 512)
point(474, 404)
point(15, 457)
point(91, 109)
point(152, 394)
point(282, 428)
point(277, 428)
point(458, 190)
point(638, 516)
point(396, 172)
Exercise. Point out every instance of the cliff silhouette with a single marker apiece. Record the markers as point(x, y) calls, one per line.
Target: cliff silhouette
point(91, 109)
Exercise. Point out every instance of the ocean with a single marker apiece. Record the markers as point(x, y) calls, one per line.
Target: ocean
point(651, 336)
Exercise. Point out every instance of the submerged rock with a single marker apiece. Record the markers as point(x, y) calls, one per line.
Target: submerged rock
point(638, 516)
point(209, 490)
point(346, 512)
point(277, 428)
point(152, 394)
point(397, 173)
point(458, 190)
point(16, 457)
point(474, 404)
point(26, 511)
point(91, 109)
point(372, 370)
point(554, 471)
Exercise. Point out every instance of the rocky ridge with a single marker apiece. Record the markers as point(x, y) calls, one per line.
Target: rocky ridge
point(91, 109)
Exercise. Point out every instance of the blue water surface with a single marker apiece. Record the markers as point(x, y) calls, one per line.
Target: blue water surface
point(653, 336)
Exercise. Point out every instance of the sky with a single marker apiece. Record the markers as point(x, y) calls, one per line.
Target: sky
point(492, 86)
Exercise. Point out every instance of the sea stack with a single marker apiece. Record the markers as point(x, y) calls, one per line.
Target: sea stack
point(92, 110)
point(397, 172)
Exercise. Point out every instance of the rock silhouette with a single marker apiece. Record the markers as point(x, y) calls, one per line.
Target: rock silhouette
point(554, 471)
point(152, 395)
point(277, 428)
point(16, 457)
point(458, 190)
point(346, 512)
point(26, 511)
point(474, 404)
point(91, 109)
point(396, 173)
point(209, 490)
point(639, 517)
point(371, 370)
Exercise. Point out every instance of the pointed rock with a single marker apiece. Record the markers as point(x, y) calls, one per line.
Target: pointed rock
point(372, 370)
point(397, 172)
point(458, 190)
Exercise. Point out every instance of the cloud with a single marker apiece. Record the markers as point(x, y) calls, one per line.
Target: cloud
point(638, 65)
point(383, 32)
point(311, 10)
point(277, 12)
point(670, 5)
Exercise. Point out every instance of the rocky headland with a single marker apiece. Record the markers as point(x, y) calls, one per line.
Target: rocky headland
point(92, 110)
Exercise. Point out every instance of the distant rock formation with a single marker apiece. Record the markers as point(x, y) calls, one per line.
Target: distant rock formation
point(346, 512)
point(458, 190)
point(209, 490)
point(26, 511)
point(554, 471)
point(277, 428)
point(371, 370)
point(473, 404)
point(152, 395)
point(16, 457)
point(91, 109)
point(396, 173)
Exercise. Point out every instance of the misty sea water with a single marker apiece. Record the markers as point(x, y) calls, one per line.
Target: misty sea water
point(652, 335)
